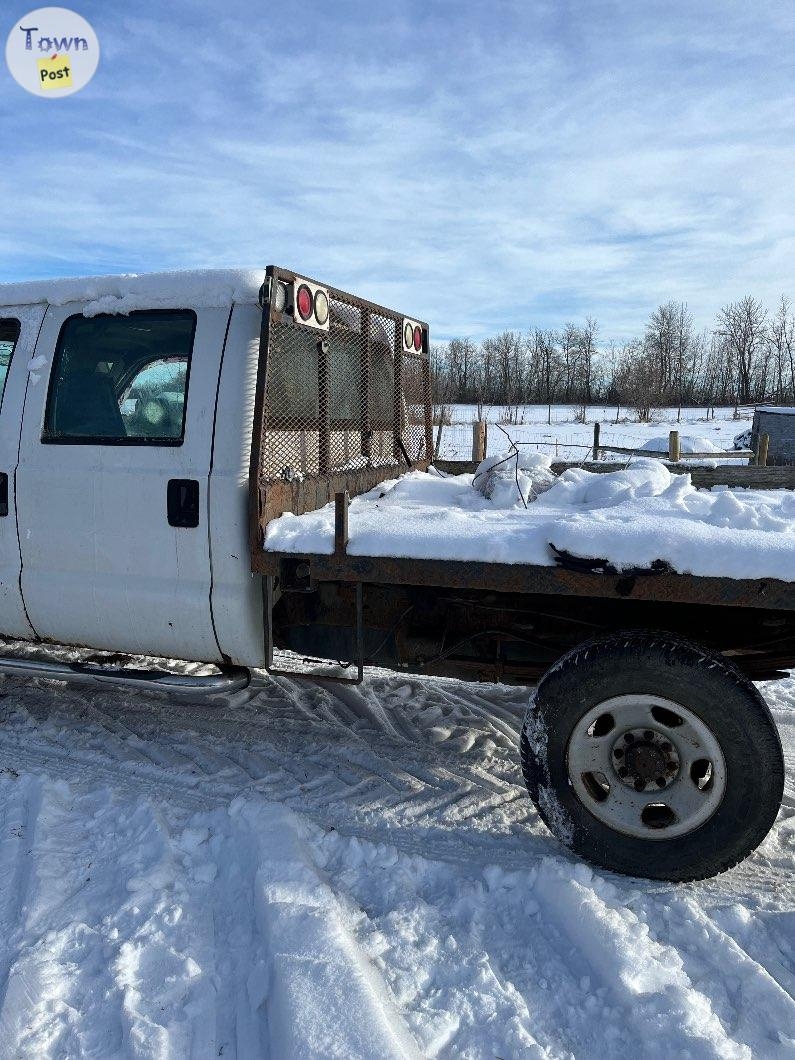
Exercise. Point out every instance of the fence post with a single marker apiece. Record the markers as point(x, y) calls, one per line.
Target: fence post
point(762, 446)
point(596, 440)
point(673, 446)
point(439, 430)
point(478, 441)
point(341, 502)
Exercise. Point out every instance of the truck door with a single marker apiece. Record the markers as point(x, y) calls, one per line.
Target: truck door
point(113, 481)
point(19, 329)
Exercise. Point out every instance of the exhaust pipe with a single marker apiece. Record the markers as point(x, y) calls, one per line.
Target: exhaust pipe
point(228, 679)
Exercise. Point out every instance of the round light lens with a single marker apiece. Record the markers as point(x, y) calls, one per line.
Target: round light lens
point(321, 307)
point(408, 336)
point(303, 302)
point(280, 299)
point(418, 338)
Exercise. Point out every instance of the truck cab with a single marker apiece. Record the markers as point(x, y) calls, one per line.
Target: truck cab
point(125, 436)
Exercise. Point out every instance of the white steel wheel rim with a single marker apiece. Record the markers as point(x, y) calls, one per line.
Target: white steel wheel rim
point(658, 743)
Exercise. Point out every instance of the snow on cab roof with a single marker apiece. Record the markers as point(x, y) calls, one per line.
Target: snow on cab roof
point(184, 289)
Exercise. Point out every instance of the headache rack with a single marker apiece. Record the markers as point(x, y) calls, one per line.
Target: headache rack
point(337, 409)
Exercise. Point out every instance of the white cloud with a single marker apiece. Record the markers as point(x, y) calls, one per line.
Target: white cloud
point(480, 170)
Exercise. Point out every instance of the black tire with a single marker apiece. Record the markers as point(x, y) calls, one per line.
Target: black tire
point(713, 690)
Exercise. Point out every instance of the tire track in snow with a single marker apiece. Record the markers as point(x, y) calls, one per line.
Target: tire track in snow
point(406, 783)
point(19, 810)
point(129, 941)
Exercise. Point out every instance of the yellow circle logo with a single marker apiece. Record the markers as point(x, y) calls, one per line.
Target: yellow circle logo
point(52, 52)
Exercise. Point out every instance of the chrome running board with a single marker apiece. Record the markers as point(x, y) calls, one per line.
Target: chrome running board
point(228, 679)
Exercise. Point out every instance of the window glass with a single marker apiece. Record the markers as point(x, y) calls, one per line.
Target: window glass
point(293, 379)
point(121, 379)
point(345, 380)
point(9, 337)
point(382, 385)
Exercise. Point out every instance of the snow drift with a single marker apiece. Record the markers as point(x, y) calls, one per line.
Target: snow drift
point(629, 517)
point(687, 444)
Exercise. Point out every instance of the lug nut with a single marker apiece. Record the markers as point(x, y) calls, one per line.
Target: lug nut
point(629, 737)
point(660, 782)
point(639, 785)
point(648, 734)
point(666, 747)
point(618, 753)
point(623, 772)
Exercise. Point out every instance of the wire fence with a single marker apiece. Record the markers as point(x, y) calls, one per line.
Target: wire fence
point(455, 442)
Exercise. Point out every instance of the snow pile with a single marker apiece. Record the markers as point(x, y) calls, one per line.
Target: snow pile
point(687, 444)
point(512, 480)
point(187, 288)
point(630, 518)
point(743, 439)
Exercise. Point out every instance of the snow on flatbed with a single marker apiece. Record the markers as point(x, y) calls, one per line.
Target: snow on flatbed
point(629, 517)
point(309, 870)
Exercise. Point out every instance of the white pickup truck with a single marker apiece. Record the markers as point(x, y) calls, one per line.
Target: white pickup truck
point(150, 429)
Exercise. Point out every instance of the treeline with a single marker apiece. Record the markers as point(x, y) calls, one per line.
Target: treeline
point(747, 356)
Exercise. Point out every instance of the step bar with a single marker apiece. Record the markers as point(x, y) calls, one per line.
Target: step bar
point(228, 679)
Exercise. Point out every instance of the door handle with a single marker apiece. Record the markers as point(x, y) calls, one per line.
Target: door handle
point(3, 493)
point(182, 502)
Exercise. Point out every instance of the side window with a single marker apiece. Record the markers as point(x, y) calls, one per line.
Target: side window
point(121, 379)
point(9, 337)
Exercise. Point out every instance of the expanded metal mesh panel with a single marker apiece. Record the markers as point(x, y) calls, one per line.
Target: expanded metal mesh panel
point(342, 400)
point(415, 396)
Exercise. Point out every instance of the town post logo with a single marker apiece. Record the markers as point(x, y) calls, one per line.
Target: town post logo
point(52, 52)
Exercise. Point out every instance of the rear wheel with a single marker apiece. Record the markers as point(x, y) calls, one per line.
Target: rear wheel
point(653, 756)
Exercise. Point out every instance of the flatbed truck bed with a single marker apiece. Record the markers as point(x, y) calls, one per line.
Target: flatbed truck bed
point(646, 747)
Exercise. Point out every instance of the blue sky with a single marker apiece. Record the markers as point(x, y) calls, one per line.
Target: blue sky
point(479, 165)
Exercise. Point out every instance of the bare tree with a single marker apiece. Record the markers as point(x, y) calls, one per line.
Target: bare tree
point(588, 339)
point(742, 326)
point(782, 344)
point(667, 343)
point(549, 364)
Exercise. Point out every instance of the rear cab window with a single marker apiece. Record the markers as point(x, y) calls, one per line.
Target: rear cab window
point(121, 380)
point(9, 337)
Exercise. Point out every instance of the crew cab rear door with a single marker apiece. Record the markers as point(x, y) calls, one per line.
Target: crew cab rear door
point(19, 329)
point(113, 480)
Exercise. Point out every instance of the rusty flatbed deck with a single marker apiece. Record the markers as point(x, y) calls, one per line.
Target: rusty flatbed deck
point(767, 594)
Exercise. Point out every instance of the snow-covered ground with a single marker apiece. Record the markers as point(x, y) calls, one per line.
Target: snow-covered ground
point(565, 439)
point(308, 870)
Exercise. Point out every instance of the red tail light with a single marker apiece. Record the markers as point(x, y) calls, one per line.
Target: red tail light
point(310, 305)
point(413, 335)
point(304, 302)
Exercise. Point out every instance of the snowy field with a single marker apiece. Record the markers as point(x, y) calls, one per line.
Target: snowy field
point(303, 870)
point(565, 439)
